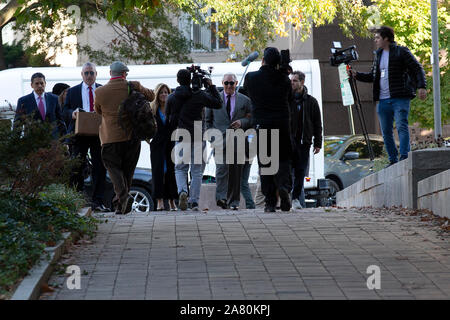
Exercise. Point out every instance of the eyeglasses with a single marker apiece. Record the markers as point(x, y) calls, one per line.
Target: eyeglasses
point(86, 73)
point(231, 83)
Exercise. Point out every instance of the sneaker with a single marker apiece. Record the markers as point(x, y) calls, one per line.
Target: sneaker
point(182, 201)
point(234, 207)
point(296, 204)
point(194, 206)
point(269, 209)
point(285, 200)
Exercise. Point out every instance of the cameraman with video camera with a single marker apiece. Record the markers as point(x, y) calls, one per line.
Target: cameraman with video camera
point(270, 91)
point(184, 107)
point(396, 74)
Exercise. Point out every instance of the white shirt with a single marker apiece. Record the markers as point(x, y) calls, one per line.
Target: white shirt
point(384, 75)
point(85, 96)
point(36, 96)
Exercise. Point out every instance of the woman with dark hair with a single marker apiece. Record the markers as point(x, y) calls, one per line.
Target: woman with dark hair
point(163, 170)
point(60, 90)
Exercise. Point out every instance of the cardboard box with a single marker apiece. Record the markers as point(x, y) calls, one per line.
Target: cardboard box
point(87, 123)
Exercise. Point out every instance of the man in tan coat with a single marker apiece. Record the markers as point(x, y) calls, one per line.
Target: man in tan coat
point(120, 153)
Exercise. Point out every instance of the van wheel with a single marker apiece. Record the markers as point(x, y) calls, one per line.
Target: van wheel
point(143, 201)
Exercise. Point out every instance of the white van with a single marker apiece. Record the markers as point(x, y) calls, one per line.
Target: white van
point(16, 83)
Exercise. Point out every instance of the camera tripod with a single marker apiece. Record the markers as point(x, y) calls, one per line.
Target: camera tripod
point(359, 110)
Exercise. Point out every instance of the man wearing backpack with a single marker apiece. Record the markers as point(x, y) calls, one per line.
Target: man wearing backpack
point(120, 153)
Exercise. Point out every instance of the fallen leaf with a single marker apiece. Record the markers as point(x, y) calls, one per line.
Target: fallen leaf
point(46, 288)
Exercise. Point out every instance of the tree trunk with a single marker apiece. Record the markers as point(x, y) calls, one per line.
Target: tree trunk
point(6, 16)
point(2, 56)
point(7, 12)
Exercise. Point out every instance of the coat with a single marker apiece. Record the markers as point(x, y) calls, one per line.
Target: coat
point(219, 119)
point(311, 120)
point(270, 92)
point(106, 103)
point(405, 73)
point(73, 101)
point(27, 105)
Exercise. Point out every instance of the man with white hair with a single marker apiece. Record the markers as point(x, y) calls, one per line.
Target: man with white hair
point(80, 98)
point(234, 114)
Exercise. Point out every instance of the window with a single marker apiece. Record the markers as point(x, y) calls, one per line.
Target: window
point(204, 37)
point(360, 146)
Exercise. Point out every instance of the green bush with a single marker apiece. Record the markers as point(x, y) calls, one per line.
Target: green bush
point(28, 224)
point(36, 206)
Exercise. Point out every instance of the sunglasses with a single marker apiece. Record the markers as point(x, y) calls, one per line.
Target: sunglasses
point(231, 83)
point(86, 73)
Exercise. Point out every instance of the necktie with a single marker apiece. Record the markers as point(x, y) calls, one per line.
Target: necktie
point(91, 100)
point(229, 105)
point(41, 108)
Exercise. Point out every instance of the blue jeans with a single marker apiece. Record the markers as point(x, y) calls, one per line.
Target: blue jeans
point(181, 175)
point(389, 110)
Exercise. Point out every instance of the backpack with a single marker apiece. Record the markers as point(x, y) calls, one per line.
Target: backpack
point(136, 116)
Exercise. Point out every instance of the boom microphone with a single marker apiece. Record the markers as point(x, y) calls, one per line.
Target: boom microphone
point(250, 58)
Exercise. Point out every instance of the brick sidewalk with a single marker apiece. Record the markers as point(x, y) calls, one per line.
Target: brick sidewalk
point(308, 254)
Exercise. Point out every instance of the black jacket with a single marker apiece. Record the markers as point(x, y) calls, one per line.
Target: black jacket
point(270, 92)
point(185, 106)
point(73, 100)
point(405, 73)
point(311, 119)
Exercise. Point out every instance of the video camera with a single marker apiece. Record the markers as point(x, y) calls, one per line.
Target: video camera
point(199, 76)
point(285, 60)
point(343, 55)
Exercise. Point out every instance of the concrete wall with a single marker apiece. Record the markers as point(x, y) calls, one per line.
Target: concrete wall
point(398, 184)
point(434, 194)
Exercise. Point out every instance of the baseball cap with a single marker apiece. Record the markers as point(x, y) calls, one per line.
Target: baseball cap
point(118, 66)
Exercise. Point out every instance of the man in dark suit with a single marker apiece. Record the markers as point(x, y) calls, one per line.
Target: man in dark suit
point(80, 98)
point(42, 105)
point(234, 114)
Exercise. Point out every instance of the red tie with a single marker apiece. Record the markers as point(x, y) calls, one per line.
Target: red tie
point(41, 108)
point(91, 100)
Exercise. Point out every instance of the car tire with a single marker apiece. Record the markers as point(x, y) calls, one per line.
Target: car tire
point(143, 202)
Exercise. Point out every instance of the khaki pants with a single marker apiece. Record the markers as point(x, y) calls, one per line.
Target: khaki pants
point(120, 159)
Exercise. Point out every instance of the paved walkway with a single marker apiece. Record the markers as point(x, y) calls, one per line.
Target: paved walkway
point(308, 254)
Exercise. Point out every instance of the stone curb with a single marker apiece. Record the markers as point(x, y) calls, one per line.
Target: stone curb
point(30, 287)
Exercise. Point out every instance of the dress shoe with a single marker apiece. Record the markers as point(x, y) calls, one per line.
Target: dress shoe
point(128, 205)
point(285, 200)
point(194, 206)
point(222, 203)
